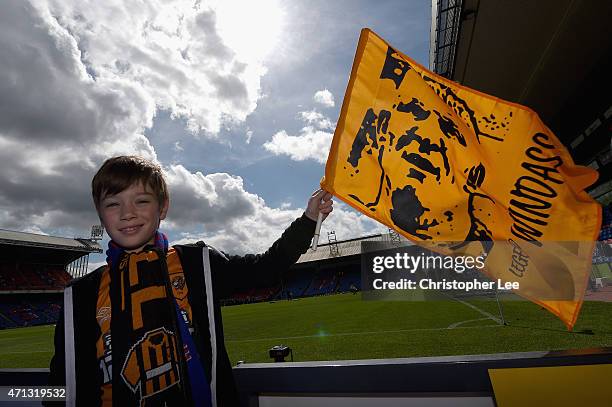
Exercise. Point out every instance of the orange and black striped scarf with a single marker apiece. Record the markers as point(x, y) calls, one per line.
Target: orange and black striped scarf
point(148, 368)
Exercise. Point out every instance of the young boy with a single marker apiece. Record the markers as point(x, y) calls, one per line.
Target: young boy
point(146, 330)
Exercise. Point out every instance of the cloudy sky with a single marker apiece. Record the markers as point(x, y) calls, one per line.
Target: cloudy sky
point(237, 100)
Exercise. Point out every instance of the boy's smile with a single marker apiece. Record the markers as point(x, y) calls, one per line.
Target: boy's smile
point(132, 216)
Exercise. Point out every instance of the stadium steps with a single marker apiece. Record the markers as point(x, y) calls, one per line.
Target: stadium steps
point(312, 281)
point(337, 285)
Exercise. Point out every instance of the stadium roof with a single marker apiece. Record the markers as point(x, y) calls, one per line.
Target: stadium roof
point(9, 237)
point(348, 247)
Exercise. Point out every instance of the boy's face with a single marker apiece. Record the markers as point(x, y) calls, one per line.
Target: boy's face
point(132, 216)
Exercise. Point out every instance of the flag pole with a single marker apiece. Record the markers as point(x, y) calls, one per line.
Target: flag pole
point(315, 239)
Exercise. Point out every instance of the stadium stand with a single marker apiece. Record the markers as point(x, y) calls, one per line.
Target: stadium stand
point(333, 268)
point(33, 273)
point(600, 281)
point(32, 277)
point(252, 295)
point(325, 282)
point(21, 310)
point(295, 285)
point(349, 281)
point(606, 225)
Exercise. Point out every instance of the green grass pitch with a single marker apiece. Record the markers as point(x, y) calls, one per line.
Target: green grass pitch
point(346, 327)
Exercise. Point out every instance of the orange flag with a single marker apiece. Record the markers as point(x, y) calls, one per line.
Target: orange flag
point(464, 172)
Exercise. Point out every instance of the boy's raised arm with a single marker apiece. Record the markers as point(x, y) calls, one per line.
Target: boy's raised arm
point(264, 270)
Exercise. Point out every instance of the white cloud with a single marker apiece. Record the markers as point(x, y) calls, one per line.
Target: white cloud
point(248, 234)
point(82, 81)
point(310, 144)
point(317, 119)
point(170, 52)
point(254, 233)
point(209, 200)
point(324, 97)
point(34, 229)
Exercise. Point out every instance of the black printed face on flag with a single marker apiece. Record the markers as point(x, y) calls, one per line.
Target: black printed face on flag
point(412, 149)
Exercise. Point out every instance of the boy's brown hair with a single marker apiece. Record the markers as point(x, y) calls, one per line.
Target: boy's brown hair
point(119, 173)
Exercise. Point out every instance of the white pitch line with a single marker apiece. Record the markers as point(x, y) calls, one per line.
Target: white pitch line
point(475, 308)
point(359, 333)
point(456, 324)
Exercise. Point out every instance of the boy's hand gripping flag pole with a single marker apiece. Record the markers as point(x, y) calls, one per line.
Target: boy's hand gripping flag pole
point(315, 239)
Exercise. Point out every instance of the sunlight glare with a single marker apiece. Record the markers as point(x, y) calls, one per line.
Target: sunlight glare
point(251, 28)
